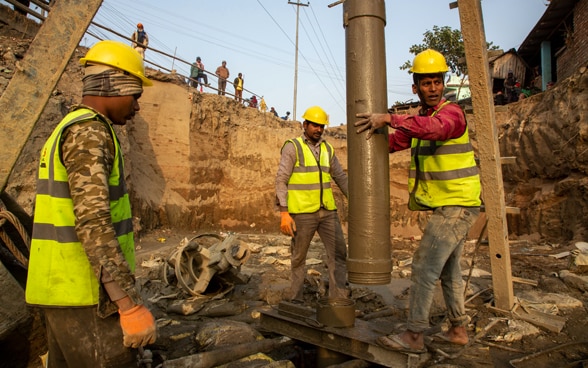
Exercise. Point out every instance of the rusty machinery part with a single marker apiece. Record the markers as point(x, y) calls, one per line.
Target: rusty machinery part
point(195, 264)
point(144, 358)
point(188, 261)
point(184, 267)
point(336, 312)
point(7, 216)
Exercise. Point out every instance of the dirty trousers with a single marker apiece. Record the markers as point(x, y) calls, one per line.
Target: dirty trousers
point(437, 257)
point(327, 224)
point(78, 338)
point(222, 85)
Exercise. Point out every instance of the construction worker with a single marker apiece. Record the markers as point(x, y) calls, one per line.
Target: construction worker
point(82, 255)
point(443, 179)
point(307, 205)
point(140, 40)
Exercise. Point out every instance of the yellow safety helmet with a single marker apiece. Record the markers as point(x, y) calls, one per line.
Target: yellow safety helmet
point(429, 62)
point(117, 55)
point(316, 115)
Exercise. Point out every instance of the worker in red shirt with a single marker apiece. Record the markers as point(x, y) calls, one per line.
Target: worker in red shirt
point(443, 179)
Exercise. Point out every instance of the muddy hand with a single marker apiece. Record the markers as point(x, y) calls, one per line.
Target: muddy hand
point(370, 122)
point(287, 224)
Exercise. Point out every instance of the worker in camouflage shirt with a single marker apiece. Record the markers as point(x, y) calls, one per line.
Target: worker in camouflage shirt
point(82, 253)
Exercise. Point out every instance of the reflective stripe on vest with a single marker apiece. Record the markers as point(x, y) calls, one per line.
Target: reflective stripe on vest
point(445, 173)
point(309, 186)
point(59, 271)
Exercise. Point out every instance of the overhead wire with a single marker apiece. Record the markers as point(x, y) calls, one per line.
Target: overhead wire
point(332, 62)
point(320, 57)
point(225, 44)
point(328, 90)
point(156, 60)
point(308, 63)
point(111, 15)
point(117, 18)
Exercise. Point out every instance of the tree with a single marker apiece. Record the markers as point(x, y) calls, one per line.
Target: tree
point(449, 42)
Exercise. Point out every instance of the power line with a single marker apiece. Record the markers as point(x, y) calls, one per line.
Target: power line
point(118, 16)
point(321, 58)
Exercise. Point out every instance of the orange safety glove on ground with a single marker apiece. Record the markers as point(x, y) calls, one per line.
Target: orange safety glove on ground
point(287, 225)
point(138, 326)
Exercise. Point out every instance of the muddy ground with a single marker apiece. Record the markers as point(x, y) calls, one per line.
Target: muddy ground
point(266, 277)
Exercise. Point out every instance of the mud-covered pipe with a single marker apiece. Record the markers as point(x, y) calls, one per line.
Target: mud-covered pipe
point(369, 260)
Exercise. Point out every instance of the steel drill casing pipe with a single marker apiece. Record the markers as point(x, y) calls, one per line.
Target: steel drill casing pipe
point(369, 257)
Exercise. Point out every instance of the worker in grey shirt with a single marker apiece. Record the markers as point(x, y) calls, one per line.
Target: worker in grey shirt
point(305, 198)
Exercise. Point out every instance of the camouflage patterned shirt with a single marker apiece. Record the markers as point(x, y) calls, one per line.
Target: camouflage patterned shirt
point(88, 155)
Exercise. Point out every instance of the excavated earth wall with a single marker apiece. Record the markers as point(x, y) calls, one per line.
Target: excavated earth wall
point(209, 162)
point(548, 135)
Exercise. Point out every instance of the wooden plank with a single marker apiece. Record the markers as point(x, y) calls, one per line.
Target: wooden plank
point(37, 75)
point(546, 321)
point(472, 29)
point(508, 160)
point(507, 209)
point(521, 280)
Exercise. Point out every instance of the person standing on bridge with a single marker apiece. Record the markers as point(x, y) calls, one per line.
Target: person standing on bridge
point(222, 72)
point(262, 105)
point(443, 179)
point(201, 74)
point(140, 40)
point(307, 205)
point(238, 84)
point(82, 255)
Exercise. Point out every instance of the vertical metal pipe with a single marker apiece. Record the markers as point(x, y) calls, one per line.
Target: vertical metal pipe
point(369, 257)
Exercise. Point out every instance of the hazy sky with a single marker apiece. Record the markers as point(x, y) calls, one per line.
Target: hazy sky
point(257, 38)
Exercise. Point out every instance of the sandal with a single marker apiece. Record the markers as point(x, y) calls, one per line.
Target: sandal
point(444, 338)
point(394, 342)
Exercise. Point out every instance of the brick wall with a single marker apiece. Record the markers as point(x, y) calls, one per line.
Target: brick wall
point(576, 53)
point(581, 33)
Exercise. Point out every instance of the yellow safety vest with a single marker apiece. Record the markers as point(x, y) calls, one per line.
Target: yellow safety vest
point(309, 186)
point(59, 271)
point(443, 173)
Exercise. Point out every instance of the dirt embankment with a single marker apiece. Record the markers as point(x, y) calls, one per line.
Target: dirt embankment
point(210, 162)
point(548, 135)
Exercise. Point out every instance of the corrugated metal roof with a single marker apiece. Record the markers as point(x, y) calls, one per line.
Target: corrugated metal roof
point(555, 14)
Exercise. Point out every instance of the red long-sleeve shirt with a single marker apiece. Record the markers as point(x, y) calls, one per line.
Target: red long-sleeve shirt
point(448, 123)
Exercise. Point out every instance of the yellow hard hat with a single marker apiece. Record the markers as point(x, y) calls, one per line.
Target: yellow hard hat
point(429, 62)
point(117, 55)
point(316, 115)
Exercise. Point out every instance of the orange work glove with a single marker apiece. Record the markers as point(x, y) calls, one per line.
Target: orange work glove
point(287, 225)
point(138, 326)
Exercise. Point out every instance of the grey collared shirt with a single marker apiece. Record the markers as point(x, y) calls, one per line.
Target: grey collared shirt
point(287, 162)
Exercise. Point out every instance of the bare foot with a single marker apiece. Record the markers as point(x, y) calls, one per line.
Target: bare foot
point(455, 335)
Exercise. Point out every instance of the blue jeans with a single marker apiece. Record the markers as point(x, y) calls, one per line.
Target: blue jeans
point(327, 224)
point(437, 257)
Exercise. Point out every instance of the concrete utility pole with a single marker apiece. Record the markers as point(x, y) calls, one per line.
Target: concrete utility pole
point(37, 75)
point(474, 39)
point(369, 260)
point(298, 5)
